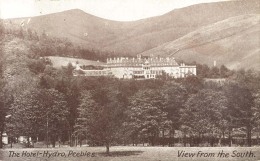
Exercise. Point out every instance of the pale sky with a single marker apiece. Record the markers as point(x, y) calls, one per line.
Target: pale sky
point(119, 10)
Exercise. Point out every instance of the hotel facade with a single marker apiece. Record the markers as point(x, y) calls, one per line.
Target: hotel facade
point(140, 68)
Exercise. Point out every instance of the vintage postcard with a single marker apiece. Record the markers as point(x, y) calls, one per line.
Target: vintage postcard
point(129, 80)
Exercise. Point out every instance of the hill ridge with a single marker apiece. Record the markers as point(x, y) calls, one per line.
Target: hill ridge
point(130, 38)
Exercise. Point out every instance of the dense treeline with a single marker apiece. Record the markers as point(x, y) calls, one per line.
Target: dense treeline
point(2, 111)
point(108, 111)
point(52, 105)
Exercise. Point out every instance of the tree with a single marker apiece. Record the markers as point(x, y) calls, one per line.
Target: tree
point(63, 81)
point(175, 97)
point(203, 71)
point(36, 65)
point(1, 29)
point(25, 111)
point(100, 115)
point(147, 117)
point(3, 111)
point(192, 84)
point(38, 111)
point(214, 72)
point(204, 112)
point(21, 33)
point(224, 71)
point(256, 115)
point(240, 108)
point(56, 113)
point(71, 91)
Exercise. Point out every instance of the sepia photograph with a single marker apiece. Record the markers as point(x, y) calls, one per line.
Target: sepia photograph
point(129, 80)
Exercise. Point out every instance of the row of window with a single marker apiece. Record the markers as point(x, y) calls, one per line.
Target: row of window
point(139, 64)
point(156, 72)
point(138, 72)
point(96, 73)
point(152, 72)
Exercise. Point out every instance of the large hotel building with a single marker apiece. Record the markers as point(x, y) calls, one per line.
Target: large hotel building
point(139, 68)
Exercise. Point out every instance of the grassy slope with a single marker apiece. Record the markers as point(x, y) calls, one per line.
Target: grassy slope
point(173, 25)
point(233, 42)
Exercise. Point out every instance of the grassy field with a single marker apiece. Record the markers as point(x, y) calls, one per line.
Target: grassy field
point(58, 62)
point(121, 153)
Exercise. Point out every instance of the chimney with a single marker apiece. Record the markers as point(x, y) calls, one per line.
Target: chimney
point(215, 63)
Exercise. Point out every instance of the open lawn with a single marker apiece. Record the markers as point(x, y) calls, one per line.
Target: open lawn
point(129, 153)
point(59, 62)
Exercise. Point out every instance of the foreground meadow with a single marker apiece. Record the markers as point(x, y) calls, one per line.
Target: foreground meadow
point(121, 153)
